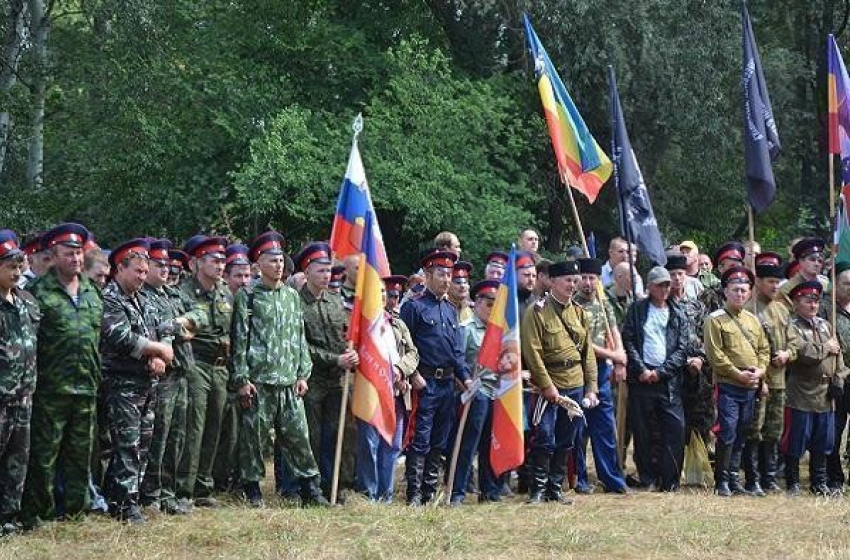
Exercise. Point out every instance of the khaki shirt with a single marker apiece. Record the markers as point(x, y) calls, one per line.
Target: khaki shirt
point(810, 374)
point(556, 346)
point(729, 350)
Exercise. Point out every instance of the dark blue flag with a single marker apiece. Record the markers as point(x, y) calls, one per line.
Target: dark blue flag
point(761, 140)
point(637, 220)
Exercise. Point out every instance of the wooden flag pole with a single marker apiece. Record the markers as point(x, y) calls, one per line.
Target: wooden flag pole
point(832, 279)
point(751, 222)
point(461, 426)
point(343, 409)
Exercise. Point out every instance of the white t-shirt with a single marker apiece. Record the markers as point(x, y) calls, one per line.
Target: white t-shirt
point(655, 336)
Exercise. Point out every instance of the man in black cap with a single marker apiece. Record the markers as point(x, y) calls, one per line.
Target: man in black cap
point(208, 379)
point(63, 409)
point(766, 428)
point(738, 351)
point(558, 349)
point(434, 327)
point(133, 360)
point(729, 255)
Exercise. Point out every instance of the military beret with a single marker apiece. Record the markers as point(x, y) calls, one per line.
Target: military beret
point(69, 234)
point(134, 248)
point(737, 275)
point(732, 250)
point(461, 269)
point(9, 245)
point(236, 254)
point(769, 265)
point(313, 253)
point(676, 262)
point(394, 284)
point(524, 259)
point(810, 288)
point(203, 245)
point(807, 246)
point(485, 288)
point(443, 259)
point(159, 250)
point(589, 266)
point(499, 259)
point(270, 242)
point(564, 268)
point(337, 272)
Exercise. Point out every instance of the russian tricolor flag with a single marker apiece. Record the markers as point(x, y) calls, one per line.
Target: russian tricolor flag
point(500, 353)
point(372, 335)
point(351, 209)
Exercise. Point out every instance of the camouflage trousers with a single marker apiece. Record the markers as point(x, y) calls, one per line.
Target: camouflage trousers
point(322, 403)
point(102, 444)
point(130, 408)
point(275, 408)
point(62, 428)
point(226, 467)
point(768, 417)
point(15, 418)
point(169, 436)
point(207, 390)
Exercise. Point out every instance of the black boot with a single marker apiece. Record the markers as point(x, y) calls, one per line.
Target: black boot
point(311, 493)
point(431, 474)
point(413, 471)
point(767, 462)
point(751, 469)
point(818, 476)
point(735, 472)
point(557, 474)
point(253, 495)
point(538, 471)
point(792, 476)
point(722, 455)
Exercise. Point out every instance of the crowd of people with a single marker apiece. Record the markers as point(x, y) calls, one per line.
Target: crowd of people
point(155, 378)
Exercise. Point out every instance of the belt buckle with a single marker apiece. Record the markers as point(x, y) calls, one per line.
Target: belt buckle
point(438, 373)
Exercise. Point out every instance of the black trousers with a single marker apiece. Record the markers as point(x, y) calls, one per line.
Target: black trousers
point(655, 413)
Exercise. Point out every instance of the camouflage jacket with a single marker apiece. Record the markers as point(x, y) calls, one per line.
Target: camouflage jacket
point(68, 337)
point(18, 341)
point(125, 332)
point(842, 327)
point(325, 326)
point(694, 312)
point(269, 345)
point(712, 299)
point(618, 304)
point(781, 335)
point(168, 304)
point(214, 310)
point(593, 311)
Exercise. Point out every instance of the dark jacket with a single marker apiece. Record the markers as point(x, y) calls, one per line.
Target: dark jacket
point(677, 343)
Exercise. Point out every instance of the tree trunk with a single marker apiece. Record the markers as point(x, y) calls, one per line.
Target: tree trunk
point(40, 23)
point(12, 40)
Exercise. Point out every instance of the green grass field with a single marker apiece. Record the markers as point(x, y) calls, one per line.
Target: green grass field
point(691, 525)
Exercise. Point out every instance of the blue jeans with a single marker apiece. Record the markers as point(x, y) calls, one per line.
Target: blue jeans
point(603, 439)
point(476, 439)
point(376, 459)
point(735, 407)
point(432, 416)
point(556, 431)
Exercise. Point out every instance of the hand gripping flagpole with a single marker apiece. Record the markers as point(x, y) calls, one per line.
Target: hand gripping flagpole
point(357, 128)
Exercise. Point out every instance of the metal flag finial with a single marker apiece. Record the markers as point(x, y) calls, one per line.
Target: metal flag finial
point(357, 127)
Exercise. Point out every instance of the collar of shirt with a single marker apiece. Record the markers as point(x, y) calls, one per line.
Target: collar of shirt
point(310, 298)
point(560, 304)
point(731, 310)
point(432, 295)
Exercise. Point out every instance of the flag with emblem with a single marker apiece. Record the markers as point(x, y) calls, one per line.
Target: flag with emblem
point(500, 353)
point(581, 162)
point(353, 204)
point(372, 335)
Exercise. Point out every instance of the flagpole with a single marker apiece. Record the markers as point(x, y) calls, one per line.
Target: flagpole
point(343, 409)
point(832, 279)
point(751, 223)
point(576, 217)
point(461, 426)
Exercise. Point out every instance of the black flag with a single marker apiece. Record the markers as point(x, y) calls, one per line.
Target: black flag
point(637, 219)
point(761, 140)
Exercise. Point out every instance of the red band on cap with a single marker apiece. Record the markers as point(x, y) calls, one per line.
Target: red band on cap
point(444, 262)
point(6, 247)
point(314, 256)
point(158, 254)
point(66, 238)
point(235, 256)
point(730, 254)
point(123, 253)
point(524, 262)
point(487, 291)
point(806, 292)
point(267, 246)
point(207, 249)
point(767, 260)
point(460, 273)
point(737, 276)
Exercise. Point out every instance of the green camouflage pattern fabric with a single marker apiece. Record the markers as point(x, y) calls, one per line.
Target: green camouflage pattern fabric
point(225, 471)
point(211, 312)
point(125, 332)
point(278, 408)
point(279, 353)
point(325, 327)
point(595, 319)
point(169, 435)
point(713, 299)
point(842, 329)
point(19, 321)
point(618, 304)
point(68, 337)
point(14, 455)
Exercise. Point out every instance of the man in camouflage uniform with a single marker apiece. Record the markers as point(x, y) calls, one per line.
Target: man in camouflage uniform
point(19, 316)
point(63, 408)
point(326, 324)
point(132, 361)
point(728, 255)
point(271, 366)
point(208, 379)
point(174, 317)
point(766, 428)
point(610, 357)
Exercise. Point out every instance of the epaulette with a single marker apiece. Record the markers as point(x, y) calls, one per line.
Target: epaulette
point(539, 304)
point(717, 313)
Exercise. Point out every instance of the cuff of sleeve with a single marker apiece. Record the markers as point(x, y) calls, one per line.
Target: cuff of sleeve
point(141, 344)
